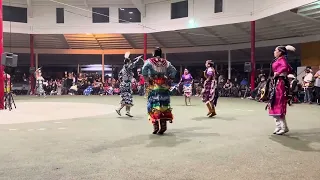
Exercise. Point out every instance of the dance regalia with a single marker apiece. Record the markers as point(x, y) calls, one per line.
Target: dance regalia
point(278, 97)
point(39, 83)
point(187, 84)
point(126, 75)
point(159, 71)
point(209, 96)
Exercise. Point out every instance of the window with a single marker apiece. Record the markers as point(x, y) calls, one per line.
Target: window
point(179, 9)
point(60, 15)
point(100, 15)
point(15, 14)
point(218, 6)
point(127, 15)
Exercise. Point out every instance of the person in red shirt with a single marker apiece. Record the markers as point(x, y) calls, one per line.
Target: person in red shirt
point(141, 87)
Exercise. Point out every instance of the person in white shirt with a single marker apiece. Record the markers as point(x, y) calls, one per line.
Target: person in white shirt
point(307, 85)
point(317, 86)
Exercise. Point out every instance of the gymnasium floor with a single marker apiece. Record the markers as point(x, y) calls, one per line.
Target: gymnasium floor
point(78, 137)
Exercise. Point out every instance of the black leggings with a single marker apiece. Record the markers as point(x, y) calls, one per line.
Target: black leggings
point(317, 91)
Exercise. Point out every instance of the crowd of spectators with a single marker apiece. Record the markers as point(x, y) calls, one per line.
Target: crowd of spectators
point(307, 91)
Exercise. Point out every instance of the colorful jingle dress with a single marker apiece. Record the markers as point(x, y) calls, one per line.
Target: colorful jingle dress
point(186, 79)
point(209, 96)
point(159, 71)
point(126, 75)
point(278, 96)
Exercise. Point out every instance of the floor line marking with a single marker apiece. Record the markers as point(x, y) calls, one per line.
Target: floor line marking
point(62, 128)
point(41, 129)
point(13, 129)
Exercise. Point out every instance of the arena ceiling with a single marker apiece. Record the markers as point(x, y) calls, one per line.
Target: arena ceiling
point(283, 25)
point(311, 10)
point(290, 24)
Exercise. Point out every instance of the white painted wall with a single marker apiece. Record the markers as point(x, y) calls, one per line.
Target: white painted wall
point(158, 15)
point(265, 8)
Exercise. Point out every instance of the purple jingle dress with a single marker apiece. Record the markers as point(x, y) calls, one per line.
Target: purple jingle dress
point(186, 79)
point(209, 86)
point(279, 103)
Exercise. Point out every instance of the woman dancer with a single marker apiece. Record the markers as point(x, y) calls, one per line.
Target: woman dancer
point(125, 76)
point(39, 83)
point(187, 81)
point(280, 89)
point(209, 96)
point(159, 72)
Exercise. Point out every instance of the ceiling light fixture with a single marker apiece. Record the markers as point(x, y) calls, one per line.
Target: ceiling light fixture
point(121, 9)
point(130, 12)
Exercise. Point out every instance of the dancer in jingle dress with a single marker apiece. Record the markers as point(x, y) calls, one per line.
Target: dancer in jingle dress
point(159, 72)
point(209, 96)
point(279, 93)
point(187, 81)
point(39, 83)
point(125, 76)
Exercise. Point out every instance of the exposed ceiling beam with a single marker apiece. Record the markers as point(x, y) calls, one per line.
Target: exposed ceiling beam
point(98, 42)
point(284, 27)
point(63, 40)
point(129, 41)
point(224, 40)
point(186, 38)
point(307, 18)
point(139, 4)
point(310, 13)
point(157, 40)
point(268, 43)
point(66, 40)
point(30, 9)
point(213, 33)
point(247, 31)
point(309, 7)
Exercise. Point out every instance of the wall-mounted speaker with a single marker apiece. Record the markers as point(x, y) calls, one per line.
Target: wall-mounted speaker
point(247, 67)
point(9, 59)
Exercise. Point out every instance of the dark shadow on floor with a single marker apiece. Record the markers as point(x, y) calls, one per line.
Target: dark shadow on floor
point(172, 138)
point(124, 117)
point(202, 118)
point(183, 105)
point(299, 140)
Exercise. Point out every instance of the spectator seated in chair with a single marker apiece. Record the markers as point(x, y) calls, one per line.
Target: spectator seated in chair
point(73, 89)
point(101, 90)
point(259, 91)
point(227, 88)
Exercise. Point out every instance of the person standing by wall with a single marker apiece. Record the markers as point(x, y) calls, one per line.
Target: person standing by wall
point(317, 86)
point(308, 85)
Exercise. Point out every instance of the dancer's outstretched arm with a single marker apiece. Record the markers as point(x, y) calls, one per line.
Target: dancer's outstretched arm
point(134, 63)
